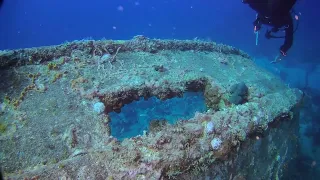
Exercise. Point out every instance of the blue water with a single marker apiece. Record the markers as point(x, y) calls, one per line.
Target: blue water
point(136, 116)
point(37, 22)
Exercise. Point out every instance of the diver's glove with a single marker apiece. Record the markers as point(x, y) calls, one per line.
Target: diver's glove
point(279, 57)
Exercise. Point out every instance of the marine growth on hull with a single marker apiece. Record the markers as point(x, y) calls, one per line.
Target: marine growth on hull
point(139, 109)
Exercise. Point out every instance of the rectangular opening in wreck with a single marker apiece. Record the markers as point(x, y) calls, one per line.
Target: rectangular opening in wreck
point(135, 117)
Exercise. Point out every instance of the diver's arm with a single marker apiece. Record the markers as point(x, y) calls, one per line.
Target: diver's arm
point(289, 36)
point(257, 23)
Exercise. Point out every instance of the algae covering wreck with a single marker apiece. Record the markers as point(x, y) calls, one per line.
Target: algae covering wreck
point(56, 100)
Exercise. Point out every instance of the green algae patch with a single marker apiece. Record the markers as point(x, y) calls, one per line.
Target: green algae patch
point(3, 128)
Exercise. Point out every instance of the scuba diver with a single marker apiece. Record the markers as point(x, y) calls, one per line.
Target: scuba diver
point(275, 13)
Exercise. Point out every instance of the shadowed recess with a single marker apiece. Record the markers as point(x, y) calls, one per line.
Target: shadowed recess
point(136, 116)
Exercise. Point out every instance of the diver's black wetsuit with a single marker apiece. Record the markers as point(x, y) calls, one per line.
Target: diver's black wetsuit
point(275, 13)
